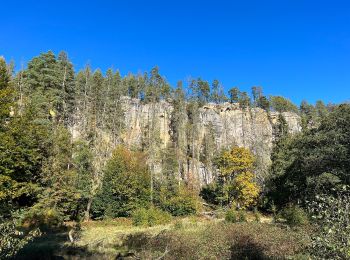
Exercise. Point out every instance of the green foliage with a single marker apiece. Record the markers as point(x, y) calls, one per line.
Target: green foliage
point(294, 216)
point(49, 84)
point(150, 217)
point(221, 241)
point(24, 145)
point(308, 115)
point(43, 218)
point(170, 193)
point(231, 216)
point(53, 179)
point(234, 216)
point(280, 128)
point(84, 177)
point(331, 214)
point(282, 104)
point(6, 93)
point(257, 93)
point(213, 193)
point(125, 186)
point(217, 96)
point(59, 176)
point(233, 93)
point(257, 215)
point(178, 224)
point(12, 239)
point(315, 161)
point(263, 103)
point(182, 203)
point(244, 100)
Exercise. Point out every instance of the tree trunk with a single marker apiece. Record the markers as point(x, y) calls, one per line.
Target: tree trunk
point(88, 207)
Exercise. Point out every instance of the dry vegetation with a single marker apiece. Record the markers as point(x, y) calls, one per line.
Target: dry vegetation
point(183, 238)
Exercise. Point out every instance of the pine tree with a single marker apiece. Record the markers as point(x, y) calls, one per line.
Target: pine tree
point(6, 93)
point(178, 127)
point(244, 100)
point(234, 95)
point(66, 76)
point(218, 95)
point(257, 93)
point(125, 187)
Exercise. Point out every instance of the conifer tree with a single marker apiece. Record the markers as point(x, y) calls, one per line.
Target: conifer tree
point(234, 95)
point(257, 93)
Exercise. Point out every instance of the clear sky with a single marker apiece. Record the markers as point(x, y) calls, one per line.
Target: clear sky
point(296, 48)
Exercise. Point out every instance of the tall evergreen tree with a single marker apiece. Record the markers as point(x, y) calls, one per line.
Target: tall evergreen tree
point(257, 93)
point(66, 76)
point(6, 93)
point(218, 95)
point(234, 94)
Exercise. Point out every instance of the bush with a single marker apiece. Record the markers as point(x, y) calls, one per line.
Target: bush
point(12, 240)
point(125, 186)
point(257, 215)
point(178, 224)
point(45, 219)
point(234, 216)
point(294, 216)
point(242, 216)
point(181, 202)
point(181, 205)
point(150, 217)
point(330, 214)
point(212, 193)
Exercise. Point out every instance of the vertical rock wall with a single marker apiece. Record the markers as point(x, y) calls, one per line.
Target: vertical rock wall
point(251, 128)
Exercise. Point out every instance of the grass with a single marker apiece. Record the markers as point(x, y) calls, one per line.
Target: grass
point(183, 238)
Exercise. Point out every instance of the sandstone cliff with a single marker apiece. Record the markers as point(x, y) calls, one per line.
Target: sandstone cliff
point(252, 128)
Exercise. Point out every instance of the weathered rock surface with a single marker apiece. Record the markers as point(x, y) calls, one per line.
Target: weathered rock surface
point(252, 128)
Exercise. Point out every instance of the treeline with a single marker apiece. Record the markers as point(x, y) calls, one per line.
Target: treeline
point(55, 77)
point(313, 162)
point(46, 177)
point(41, 163)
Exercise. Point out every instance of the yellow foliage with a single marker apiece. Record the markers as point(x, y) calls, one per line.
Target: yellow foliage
point(246, 189)
point(236, 167)
point(236, 160)
point(52, 113)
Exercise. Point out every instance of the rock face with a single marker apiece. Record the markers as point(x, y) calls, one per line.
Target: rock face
point(229, 125)
point(251, 128)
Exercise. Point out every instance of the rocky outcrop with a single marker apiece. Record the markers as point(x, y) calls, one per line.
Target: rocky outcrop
point(228, 123)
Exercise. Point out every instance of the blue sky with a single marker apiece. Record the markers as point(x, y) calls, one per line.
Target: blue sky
point(296, 48)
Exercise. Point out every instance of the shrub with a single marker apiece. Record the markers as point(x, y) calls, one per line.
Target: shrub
point(242, 216)
point(181, 205)
point(150, 217)
point(257, 215)
point(234, 216)
point(125, 185)
point(212, 193)
point(178, 224)
point(140, 217)
point(231, 216)
point(294, 216)
point(330, 214)
point(44, 219)
point(11, 240)
point(182, 202)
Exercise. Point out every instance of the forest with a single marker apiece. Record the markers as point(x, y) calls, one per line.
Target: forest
point(82, 176)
